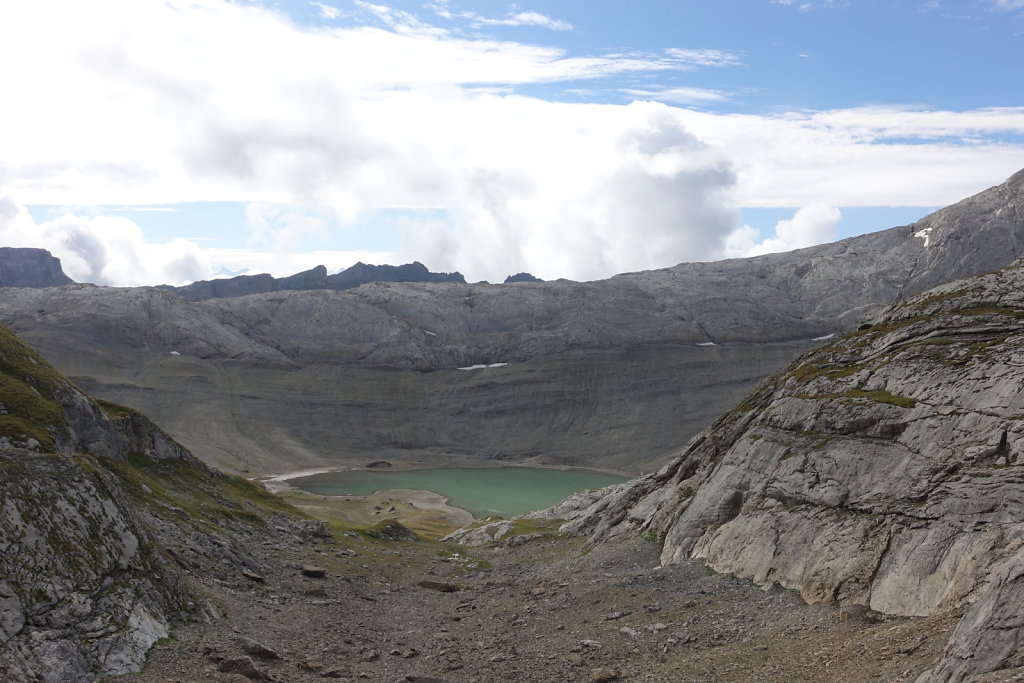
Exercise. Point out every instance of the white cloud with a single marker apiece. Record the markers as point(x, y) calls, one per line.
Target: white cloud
point(808, 5)
point(111, 250)
point(285, 228)
point(252, 261)
point(517, 19)
point(810, 225)
point(327, 11)
point(865, 156)
point(191, 100)
point(680, 95)
point(513, 18)
point(106, 250)
point(705, 57)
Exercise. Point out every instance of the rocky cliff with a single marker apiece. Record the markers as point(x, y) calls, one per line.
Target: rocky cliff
point(884, 469)
point(23, 267)
point(613, 373)
point(315, 278)
point(92, 498)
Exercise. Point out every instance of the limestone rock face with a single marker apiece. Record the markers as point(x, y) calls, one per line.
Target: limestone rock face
point(83, 587)
point(23, 267)
point(614, 373)
point(83, 590)
point(884, 469)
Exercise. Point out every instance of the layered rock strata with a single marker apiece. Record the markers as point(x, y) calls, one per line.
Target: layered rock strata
point(26, 267)
point(92, 495)
point(614, 373)
point(884, 469)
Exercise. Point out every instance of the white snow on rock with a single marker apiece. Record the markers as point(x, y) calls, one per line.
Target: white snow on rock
point(175, 353)
point(707, 344)
point(924, 234)
point(481, 367)
point(825, 338)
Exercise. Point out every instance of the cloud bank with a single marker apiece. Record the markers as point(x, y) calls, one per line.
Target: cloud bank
point(105, 250)
point(206, 100)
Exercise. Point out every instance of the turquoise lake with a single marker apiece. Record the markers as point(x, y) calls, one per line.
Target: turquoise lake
point(506, 491)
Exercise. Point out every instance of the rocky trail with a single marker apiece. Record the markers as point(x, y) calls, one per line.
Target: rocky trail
point(547, 609)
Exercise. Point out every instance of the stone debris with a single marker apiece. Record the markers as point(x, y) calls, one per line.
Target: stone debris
point(314, 572)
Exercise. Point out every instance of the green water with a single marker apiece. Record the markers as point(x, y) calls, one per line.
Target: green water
point(506, 491)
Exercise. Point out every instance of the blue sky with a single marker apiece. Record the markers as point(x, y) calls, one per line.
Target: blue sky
point(170, 140)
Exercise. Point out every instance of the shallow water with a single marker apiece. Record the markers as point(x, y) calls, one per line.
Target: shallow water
point(505, 491)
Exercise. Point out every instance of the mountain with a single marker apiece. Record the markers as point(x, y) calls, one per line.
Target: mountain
point(614, 373)
point(315, 278)
point(522, 277)
point(884, 469)
point(23, 267)
point(98, 510)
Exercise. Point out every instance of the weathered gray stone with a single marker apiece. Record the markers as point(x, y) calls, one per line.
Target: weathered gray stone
point(27, 267)
point(82, 589)
point(893, 498)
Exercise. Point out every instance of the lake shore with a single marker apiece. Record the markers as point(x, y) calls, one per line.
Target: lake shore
point(278, 482)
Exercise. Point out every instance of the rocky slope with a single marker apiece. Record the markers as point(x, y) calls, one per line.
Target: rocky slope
point(884, 469)
point(612, 373)
point(92, 497)
point(23, 267)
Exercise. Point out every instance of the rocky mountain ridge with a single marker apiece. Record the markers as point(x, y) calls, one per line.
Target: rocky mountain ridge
point(613, 373)
point(883, 470)
point(313, 279)
point(26, 267)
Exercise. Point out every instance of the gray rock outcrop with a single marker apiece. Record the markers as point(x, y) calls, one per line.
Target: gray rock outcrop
point(92, 496)
point(26, 267)
point(83, 588)
point(522, 277)
point(313, 279)
point(884, 469)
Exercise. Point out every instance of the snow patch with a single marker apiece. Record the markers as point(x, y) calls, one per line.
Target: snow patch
point(707, 344)
point(432, 334)
point(925, 235)
point(481, 367)
point(175, 353)
point(825, 338)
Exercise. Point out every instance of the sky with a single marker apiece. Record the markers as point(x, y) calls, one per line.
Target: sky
point(165, 141)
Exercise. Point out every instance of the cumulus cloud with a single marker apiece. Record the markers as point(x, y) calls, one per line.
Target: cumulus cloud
point(625, 189)
point(105, 250)
point(281, 264)
point(810, 225)
point(285, 228)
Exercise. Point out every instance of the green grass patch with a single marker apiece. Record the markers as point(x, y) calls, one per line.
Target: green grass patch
point(185, 491)
point(1009, 312)
point(886, 328)
point(27, 388)
point(116, 411)
point(811, 371)
point(878, 396)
